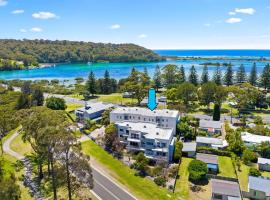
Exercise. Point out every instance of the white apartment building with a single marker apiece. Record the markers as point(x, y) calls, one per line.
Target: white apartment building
point(149, 131)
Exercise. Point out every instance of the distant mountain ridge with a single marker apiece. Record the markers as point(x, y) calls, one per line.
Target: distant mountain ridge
point(33, 52)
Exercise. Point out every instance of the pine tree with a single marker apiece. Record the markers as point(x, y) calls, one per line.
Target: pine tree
point(228, 77)
point(205, 75)
point(157, 78)
point(216, 112)
point(217, 76)
point(265, 77)
point(91, 84)
point(182, 75)
point(241, 74)
point(253, 75)
point(106, 83)
point(193, 76)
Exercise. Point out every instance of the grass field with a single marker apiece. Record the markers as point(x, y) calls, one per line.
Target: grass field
point(73, 106)
point(182, 184)
point(143, 188)
point(226, 167)
point(21, 147)
point(115, 98)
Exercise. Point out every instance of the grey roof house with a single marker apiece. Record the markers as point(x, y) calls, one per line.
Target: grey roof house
point(225, 190)
point(258, 188)
point(264, 164)
point(92, 110)
point(210, 160)
point(189, 149)
point(211, 127)
point(214, 143)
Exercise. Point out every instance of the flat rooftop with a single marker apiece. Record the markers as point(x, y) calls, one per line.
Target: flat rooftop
point(228, 188)
point(151, 130)
point(210, 124)
point(189, 146)
point(209, 140)
point(92, 107)
point(259, 183)
point(146, 111)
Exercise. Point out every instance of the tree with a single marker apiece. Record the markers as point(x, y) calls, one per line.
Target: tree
point(265, 77)
point(9, 190)
point(254, 172)
point(177, 152)
point(216, 112)
point(249, 156)
point(205, 75)
point(197, 170)
point(23, 101)
point(160, 181)
point(111, 140)
point(106, 117)
point(253, 75)
point(26, 88)
point(170, 75)
point(157, 78)
point(261, 100)
point(228, 77)
point(187, 93)
point(193, 76)
point(241, 74)
point(234, 139)
point(141, 164)
point(106, 83)
point(56, 103)
point(182, 75)
point(217, 77)
point(91, 84)
point(207, 93)
point(37, 97)
point(6, 120)
point(171, 94)
point(264, 149)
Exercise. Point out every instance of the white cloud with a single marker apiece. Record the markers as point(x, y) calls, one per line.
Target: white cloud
point(44, 15)
point(232, 13)
point(36, 29)
point(17, 11)
point(3, 2)
point(115, 26)
point(142, 35)
point(249, 11)
point(233, 20)
point(22, 30)
point(207, 25)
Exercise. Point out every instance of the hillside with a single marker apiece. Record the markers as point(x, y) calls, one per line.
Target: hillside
point(33, 52)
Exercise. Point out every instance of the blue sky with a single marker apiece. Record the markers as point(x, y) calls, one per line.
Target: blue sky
point(155, 24)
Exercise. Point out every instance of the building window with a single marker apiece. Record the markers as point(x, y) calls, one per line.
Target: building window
point(121, 130)
point(139, 118)
point(149, 143)
point(127, 131)
point(217, 196)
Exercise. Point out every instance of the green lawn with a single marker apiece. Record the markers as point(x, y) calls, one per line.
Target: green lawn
point(182, 184)
point(115, 98)
point(73, 106)
point(143, 188)
point(21, 147)
point(226, 167)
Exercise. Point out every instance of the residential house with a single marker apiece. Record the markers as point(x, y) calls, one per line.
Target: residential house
point(264, 164)
point(253, 140)
point(211, 127)
point(151, 132)
point(225, 190)
point(214, 143)
point(92, 110)
point(189, 149)
point(258, 188)
point(210, 160)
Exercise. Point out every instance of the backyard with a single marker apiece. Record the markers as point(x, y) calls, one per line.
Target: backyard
point(226, 168)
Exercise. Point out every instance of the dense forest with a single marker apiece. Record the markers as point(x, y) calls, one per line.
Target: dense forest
point(33, 52)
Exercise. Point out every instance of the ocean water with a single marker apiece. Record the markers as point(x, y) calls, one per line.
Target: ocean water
point(122, 70)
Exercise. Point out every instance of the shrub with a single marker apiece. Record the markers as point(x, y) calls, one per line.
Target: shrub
point(249, 156)
point(254, 172)
point(156, 171)
point(178, 151)
point(197, 170)
point(209, 150)
point(173, 171)
point(160, 181)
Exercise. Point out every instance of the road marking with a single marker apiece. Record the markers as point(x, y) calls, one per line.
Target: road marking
point(106, 189)
point(96, 195)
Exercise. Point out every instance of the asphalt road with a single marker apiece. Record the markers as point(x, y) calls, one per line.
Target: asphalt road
point(107, 190)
